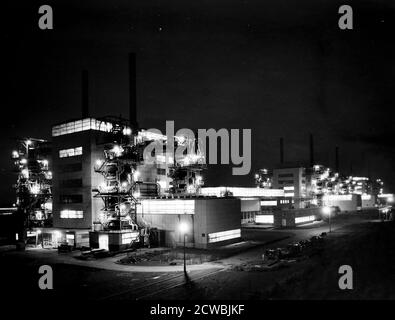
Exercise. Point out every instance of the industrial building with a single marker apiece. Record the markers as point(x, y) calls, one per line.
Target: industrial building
point(106, 194)
point(292, 181)
point(94, 186)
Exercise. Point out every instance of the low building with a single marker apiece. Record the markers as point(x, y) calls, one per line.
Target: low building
point(210, 221)
point(345, 202)
point(253, 200)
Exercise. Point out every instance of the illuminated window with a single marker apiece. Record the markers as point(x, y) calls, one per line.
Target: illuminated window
point(83, 125)
point(242, 192)
point(268, 203)
point(304, 219)
point(264, 218)
point(71, 214)
point(128, 237)
point(65, 153)
point(176, 206)
point(224, 235)
point(337, 197)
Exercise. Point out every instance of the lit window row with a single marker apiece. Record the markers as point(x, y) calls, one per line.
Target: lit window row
point(81, 125)
point(304, 219)
point(176, 206)
point(71, 214)
point(339, 197)
point(284, 201)
point(264, 218)
point(224, 235)
point(268, 203)
point(64, 153)
point(242, 192)
point(128, 237)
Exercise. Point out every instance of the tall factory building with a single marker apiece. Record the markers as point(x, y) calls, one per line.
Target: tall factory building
point(76, 146)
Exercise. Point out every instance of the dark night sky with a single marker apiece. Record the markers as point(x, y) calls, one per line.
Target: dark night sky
point(281, 68)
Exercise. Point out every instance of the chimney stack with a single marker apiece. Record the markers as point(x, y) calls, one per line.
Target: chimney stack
point(337, 159)
point(281, 150)
point(85, 94)
point(311, 150)
point(132, 92)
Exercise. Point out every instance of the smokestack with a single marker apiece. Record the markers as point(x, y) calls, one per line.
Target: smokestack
point(281, 150)
point(85, 94)
point(337, 159)
point(311, 150)
point(132, 91)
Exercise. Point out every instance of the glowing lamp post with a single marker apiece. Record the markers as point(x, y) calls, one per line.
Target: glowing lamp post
point(327, 211)
point(183, 227)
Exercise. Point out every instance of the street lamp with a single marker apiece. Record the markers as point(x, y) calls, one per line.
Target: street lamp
point(183, 227)
point(327, 211)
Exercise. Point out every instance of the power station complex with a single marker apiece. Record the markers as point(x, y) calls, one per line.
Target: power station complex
point(94, 185)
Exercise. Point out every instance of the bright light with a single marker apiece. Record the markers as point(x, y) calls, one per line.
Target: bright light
point(25, 173)
point(167, 206)
point(326, 210)
point(162, 184)
point(304, 219)
point(99, 162)
point(38, 231)
point(224, 235)
point(127, 131)
point(117, 150)
point(35, 188)
point(183, 227)
point(45, 162)
point(28, 142)
point(15, 154)
point(136, 175)
point(23, 161)
point(264, 218)
point(136, 194)
point(198, 180)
